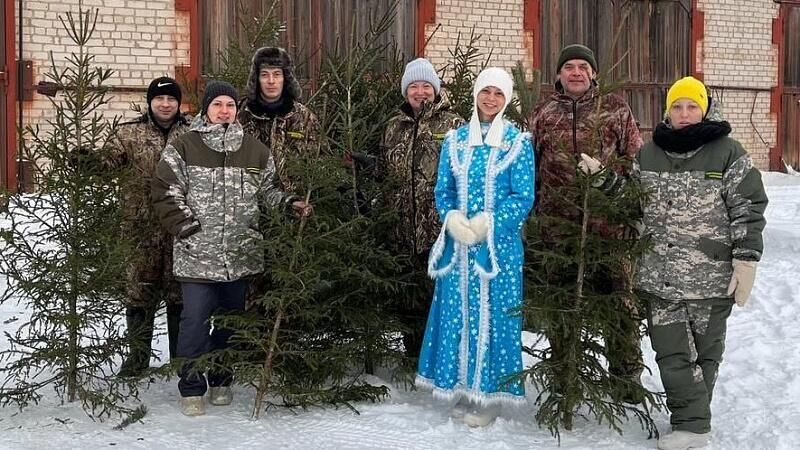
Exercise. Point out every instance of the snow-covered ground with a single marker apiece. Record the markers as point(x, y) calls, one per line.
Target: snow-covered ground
point(756, 404)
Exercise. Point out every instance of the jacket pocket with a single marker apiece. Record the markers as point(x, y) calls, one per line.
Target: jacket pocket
point(717, 251)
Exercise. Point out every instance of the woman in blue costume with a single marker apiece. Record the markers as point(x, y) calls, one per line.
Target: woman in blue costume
point(484, 193)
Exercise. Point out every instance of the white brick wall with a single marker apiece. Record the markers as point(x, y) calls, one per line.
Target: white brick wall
point(737, 52)
point(138, 40)
point(499, 22)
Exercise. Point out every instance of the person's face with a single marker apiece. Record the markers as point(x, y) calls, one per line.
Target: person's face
point(164, 107)
point(576, 77)
point(418, 92)
point(490, 101)
point(222, 110)
point(271, 81)
point(684, 112)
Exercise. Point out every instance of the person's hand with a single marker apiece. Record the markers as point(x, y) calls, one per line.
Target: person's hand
point(589, 165)
point(479, 224)
point(459, 228)
point(302, 209)
point(744, 275)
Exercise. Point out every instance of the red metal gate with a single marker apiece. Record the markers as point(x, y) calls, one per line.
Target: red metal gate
point(790, 101)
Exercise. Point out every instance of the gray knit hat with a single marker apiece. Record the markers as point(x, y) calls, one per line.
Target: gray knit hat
point(420, 69)
point(576, 51)
point(214, 89)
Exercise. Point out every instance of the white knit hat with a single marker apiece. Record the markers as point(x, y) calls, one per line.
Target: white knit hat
point(420, 69)
point(499, 78)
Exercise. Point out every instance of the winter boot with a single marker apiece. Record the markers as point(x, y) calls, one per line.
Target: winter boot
point(193, 406)
point(460, 409)
point(683, 440)
point(220, 396)
point(140, 338)
point(173, 327)
point(481, 416)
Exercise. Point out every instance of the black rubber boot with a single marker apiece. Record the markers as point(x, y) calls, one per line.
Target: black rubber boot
point(173, 327)
point(140, 338)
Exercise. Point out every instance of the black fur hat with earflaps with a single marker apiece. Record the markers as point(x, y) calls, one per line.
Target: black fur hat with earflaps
point(273, 57)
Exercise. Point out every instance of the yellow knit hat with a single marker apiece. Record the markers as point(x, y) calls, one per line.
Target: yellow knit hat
point(691, 88)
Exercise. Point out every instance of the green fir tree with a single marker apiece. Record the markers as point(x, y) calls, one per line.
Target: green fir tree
point(64, 256)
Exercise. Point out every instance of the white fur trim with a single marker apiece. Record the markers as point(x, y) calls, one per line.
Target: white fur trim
point(480, 398)
point(438, 250)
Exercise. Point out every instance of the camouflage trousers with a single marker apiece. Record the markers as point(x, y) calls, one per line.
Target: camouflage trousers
point(689, 339)
point(151, 294)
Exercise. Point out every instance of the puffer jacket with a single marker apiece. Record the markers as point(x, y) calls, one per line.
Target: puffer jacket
point(415, 168)
point(207, 191)
point(704, 208)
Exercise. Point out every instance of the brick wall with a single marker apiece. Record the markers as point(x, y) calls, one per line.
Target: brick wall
point(737, 54)
point(499, 22)
point(138, 40)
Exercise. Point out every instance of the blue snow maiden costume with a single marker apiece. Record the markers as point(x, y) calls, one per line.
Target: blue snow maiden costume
point(472, 340)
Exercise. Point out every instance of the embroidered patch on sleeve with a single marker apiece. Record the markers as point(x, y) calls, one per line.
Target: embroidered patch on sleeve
point(713, 175)
point(253, 170)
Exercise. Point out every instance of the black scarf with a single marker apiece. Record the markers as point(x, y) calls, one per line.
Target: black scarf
point(281, 107)
point(691, 137)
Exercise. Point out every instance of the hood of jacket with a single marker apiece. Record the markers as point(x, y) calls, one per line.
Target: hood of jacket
point(223, 138)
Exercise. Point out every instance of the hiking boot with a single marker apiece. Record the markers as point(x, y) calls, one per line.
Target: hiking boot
point(193, 406)
point(683, 440)
point(481, 416)
point(220, 396)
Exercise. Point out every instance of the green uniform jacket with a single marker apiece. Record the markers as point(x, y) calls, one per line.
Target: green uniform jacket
point(207, 191)
point(705, 207)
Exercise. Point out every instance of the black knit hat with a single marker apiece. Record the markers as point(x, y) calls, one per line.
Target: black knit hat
point(576, 51)
point(163, 86)
point(216, 88)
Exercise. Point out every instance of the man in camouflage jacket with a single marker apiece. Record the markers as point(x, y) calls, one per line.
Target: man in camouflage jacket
point(577, 120)
point(411, 156)
point(272, 111)
point(138, 145)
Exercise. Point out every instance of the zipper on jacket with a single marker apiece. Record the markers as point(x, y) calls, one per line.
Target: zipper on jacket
point(574, 127)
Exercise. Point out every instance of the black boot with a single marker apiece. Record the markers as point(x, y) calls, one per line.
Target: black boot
point(140, 338)
point(173, 327)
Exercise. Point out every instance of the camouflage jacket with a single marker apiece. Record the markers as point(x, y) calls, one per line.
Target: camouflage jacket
point(415, 171)
point(138, 145)
point(293, 133)
point(601, 126)
point(208, 188)
point(704, 208)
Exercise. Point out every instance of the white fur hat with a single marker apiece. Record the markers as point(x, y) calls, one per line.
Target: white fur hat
point(499, 78)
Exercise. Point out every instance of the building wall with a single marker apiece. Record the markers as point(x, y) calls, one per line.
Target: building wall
point(499, 22)
point(138, 40)
point(737, 54)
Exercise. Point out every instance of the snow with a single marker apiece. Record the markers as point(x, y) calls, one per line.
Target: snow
point(756, 403)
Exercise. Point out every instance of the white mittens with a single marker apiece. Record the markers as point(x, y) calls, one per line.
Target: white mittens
point(589, 165)
point(744, 275)
point(467, 231)
point(480, 226)
point(459, 229)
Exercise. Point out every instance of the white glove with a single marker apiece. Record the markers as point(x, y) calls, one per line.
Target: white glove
point(459, 228)
point(744, 275)
point(589, 165)
point(480, 226)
